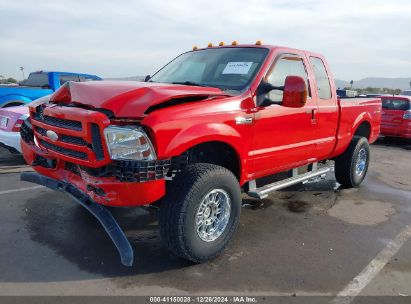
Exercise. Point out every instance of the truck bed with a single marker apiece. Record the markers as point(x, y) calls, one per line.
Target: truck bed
point(352, 112)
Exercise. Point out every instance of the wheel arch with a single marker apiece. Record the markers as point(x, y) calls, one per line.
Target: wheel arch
point(216, 152)
point(10, 100)
point(363, 129)
point(215, 138)
point(360, 127)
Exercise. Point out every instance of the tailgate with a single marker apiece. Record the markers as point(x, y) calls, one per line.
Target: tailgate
point(393, 110)
point(392, 118)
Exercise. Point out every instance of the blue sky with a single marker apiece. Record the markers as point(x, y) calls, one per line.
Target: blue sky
point(126, 38)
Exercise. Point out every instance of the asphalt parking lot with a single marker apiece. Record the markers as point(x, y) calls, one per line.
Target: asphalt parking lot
point(313, 239)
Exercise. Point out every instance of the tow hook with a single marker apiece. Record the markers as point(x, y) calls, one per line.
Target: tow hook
point(100, 212)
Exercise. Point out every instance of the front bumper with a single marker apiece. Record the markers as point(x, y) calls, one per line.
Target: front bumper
point(11, 141)
point(103, 190)
point(105, 218)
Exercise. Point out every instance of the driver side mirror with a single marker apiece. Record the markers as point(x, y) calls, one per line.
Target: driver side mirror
point(263, 89)
point(294, 96)
point(295, 92)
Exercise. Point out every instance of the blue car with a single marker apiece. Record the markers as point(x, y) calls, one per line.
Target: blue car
point(37, 85)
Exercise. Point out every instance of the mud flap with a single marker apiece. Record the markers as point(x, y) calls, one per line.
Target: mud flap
point(101, 213)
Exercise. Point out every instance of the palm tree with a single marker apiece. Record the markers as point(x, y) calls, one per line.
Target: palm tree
point(22, 70)
point(351, 83)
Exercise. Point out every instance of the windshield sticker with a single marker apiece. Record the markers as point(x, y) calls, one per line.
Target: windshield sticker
point(237, 68)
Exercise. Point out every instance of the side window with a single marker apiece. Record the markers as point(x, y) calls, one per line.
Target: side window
point(65, 78)
point(284, 67)
point(86, 78)
point(38, 79)
point(321, 76)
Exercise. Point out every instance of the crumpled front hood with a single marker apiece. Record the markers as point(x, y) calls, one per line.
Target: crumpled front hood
point(130, 98)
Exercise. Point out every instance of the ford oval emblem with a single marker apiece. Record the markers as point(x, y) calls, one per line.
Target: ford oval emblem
point(52, 135)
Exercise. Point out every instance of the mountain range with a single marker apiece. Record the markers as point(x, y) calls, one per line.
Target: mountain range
point(377, 82)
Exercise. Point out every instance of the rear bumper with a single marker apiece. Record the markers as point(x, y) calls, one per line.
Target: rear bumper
point(99, 212)
point(399, 131)
point(107, 191)
point(11, 141)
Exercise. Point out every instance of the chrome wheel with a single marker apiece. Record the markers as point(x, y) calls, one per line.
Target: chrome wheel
point(361, 162)
point(213, 215)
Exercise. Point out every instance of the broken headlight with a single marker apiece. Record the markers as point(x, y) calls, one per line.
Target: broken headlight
point(128, 143)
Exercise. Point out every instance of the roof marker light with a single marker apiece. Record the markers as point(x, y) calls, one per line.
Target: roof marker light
point(221, 43)
point(234, 42)
point(258, 42)
point(210, 45)
point(195, 48)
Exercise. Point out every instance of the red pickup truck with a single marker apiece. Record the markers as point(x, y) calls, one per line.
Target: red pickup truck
point(210, 124)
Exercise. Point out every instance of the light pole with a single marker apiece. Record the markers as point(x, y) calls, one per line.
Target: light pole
point(22, 70)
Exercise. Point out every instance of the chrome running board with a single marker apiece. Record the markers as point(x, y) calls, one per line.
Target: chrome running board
point(263, 191)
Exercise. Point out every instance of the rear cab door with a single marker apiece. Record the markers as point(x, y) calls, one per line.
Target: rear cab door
point(328, 109)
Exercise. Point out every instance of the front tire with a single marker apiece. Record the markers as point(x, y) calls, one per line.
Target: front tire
point(200, 212)
point(351, 167)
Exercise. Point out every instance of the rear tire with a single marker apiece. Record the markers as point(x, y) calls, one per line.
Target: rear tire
point(200, 212)
point(351, 167)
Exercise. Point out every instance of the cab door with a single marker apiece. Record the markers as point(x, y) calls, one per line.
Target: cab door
point(327, 118)
point(284, 138)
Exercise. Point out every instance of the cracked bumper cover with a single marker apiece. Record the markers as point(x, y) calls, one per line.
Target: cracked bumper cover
point(101, 213)
point(102, 190)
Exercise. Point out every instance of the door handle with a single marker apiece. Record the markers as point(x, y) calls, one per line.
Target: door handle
point(313, 113)
point(314, 116)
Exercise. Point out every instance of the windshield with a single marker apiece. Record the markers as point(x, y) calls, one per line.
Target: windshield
point(39, 79)
point(224, 68)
